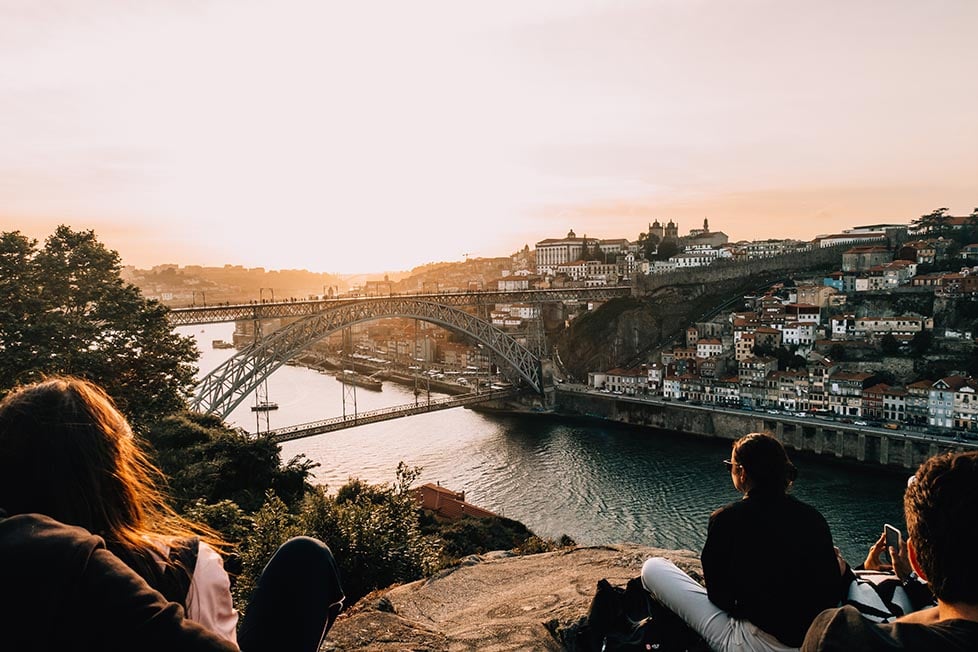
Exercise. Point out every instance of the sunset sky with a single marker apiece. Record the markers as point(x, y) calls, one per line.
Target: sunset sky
point(378, 135)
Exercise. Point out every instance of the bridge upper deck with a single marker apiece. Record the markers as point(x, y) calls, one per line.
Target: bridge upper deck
point(249, 311)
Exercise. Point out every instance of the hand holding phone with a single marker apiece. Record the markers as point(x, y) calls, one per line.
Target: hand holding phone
point(892, 536)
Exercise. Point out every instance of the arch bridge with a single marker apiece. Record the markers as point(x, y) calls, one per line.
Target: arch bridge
point(224, 388)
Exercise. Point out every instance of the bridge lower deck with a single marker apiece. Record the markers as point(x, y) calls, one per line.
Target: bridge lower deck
point(384, 414)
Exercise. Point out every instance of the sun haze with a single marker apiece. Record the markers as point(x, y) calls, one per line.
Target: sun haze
point(379, 135)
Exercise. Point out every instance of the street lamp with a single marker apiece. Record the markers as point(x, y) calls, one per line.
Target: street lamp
point(203, 298)
point(261, 294)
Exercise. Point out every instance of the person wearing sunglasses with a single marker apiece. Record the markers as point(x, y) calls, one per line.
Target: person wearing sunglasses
point(768, 563)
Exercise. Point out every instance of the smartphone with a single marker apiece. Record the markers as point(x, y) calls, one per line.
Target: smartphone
point(892, 536)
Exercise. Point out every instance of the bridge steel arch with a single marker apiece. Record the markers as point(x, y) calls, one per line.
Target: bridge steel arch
point(224, 388)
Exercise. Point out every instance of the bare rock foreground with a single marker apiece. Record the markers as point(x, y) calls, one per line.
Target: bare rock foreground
point(494, 602)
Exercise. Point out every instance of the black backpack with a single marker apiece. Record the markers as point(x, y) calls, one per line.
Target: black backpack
point(629, 619)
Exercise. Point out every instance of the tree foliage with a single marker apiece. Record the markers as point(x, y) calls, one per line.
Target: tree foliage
point(65, 310)
point(648, 243)
point(889, 344)
point(934, 223)
point(204, 459)
point(666, 250)
point(921, 342)
point(373, 531)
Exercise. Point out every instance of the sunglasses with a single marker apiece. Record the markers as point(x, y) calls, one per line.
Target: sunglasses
point(730, 464)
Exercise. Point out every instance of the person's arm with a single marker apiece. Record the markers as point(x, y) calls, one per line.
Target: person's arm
point(917, 591)
point(209, 598)
point(718, 564)
point(117, 610)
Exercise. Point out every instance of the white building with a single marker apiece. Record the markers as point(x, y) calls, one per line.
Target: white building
point(801, 334)
point(709, 347)
point(553, 252)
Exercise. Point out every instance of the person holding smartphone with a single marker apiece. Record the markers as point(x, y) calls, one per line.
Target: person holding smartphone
point(884, 591)
point(940, 504)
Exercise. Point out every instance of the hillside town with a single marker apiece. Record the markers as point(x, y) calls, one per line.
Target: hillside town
point(839, 346)
point(853, 344)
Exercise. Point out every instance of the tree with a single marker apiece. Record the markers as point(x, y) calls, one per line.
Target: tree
point(890, 345)
point(648, 244)
point(666, 250)
point(374, 531)
point(65, 310)
point(921, 342)
point(837, 352)
point(933, 223)
point(204, 459)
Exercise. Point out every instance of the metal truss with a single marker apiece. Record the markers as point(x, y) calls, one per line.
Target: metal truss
point(223, 389)
point(284, 309)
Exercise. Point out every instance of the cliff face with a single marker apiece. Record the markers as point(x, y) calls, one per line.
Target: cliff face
point(623, 332)
point(494, 602)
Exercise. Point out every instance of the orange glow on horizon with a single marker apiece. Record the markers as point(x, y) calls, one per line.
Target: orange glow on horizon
point(304, 135)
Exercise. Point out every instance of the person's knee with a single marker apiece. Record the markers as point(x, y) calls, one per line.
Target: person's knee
point(305, 550)
point(654, 568)
point(304, 557)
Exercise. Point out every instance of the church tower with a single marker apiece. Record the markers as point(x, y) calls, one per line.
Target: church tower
point(672, 231)
point(656, 229)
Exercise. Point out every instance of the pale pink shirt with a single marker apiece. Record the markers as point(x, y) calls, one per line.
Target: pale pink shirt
point(209, 596)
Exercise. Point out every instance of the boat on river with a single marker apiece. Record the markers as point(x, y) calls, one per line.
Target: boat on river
point(351, 377)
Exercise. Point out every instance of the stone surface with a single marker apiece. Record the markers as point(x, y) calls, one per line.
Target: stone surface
point(493, 602)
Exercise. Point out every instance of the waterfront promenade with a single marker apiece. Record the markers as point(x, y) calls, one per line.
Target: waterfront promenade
point(866, 444)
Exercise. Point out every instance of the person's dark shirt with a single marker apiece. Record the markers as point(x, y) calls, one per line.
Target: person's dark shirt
point(62, 590)
point(845, 629)
point(769, 559)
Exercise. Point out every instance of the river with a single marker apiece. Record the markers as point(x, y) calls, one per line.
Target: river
point(594, 481)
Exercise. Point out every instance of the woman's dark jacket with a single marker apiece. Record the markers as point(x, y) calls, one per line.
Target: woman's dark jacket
point(62, 590)
point(769, 558)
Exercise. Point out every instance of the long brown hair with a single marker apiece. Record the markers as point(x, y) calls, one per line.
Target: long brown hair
point(67, 452)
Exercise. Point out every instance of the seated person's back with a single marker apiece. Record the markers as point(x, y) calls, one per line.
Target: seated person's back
point(62, 590)
point(769, 559)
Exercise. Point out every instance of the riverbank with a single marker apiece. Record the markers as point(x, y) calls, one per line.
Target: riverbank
point(866, 446)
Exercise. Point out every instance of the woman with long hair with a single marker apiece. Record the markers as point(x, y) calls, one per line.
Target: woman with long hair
point(68, 453)
point(768, 563)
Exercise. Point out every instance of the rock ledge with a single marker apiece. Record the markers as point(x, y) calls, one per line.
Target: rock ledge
point(493, 602)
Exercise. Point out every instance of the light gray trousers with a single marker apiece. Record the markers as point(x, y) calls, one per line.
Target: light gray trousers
point(682, 595)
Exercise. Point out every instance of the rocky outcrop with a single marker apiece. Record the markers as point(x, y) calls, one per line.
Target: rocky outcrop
point(493, 602)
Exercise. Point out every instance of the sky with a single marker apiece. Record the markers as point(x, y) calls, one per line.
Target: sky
point(379, 135)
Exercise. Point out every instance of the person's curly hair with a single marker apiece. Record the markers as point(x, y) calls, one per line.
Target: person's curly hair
point(941, 507)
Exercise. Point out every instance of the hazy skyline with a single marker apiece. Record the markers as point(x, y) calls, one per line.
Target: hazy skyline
point(350, 137)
